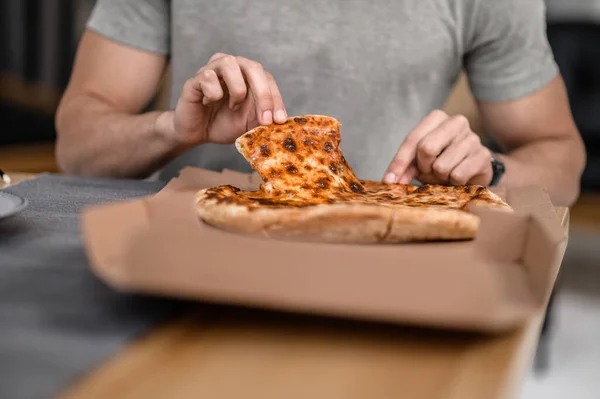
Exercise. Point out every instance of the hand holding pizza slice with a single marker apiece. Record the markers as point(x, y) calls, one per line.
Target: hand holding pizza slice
point(227, 97)
point(309, 192)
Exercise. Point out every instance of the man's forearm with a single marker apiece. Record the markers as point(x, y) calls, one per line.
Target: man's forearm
point(556, 165)
point(96, 140)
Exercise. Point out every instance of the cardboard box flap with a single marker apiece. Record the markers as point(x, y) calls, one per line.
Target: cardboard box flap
point(489, 284)
point(501, 236)
point(542, 257)
point(536, 202)
point(543, 240)
point(546, 238)
point(109, 231)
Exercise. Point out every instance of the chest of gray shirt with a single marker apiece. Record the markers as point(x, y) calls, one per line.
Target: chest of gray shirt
point(378, 67)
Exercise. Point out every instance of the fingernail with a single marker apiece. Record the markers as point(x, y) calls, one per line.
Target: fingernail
point(268, 117)
point(280, 115)
point(390, 178)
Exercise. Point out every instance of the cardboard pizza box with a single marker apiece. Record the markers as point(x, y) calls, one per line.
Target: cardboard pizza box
point(158, 245)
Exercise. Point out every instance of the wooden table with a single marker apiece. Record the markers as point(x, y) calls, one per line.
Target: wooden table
point(30, 158)
point(19, 177)
point(251, 354)
point(234, 353)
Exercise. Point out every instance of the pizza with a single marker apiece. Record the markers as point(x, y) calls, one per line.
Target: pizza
point(309, 192)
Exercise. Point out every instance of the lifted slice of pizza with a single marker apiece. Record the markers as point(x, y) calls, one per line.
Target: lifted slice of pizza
point(309, 192)
point(300, 158)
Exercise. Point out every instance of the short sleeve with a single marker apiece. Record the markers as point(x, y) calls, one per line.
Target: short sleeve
point(141, 24)
point(507, 51)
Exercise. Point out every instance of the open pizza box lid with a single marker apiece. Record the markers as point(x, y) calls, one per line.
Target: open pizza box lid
point(157, 245)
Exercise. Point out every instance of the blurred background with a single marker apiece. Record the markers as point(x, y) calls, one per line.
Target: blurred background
point(37, 45)
point(38, 39)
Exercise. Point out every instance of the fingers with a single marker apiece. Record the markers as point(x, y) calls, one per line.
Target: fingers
point(216, 56)
point(450, 132)
point(279, 111)
point(453, 155)
point(203, 88)
point(407, 152)
point(475, 169)
point(411, 173)
point(210, 86)
point(441, 150)
point(261, 85)
point(236, 78)
point(219, 78)
point(228, 69)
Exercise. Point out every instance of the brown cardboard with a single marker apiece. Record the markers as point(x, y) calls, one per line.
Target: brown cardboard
point(157, 245)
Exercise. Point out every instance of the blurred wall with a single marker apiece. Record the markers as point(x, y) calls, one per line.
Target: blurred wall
point(38, 40)
point(573, 10)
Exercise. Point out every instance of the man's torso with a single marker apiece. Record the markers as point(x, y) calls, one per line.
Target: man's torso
point(378, 67)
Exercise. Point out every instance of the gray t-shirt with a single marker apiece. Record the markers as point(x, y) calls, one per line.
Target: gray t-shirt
point(377, 66)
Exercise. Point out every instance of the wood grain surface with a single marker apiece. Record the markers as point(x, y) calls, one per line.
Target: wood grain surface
point(29, 158)
point(255, 355)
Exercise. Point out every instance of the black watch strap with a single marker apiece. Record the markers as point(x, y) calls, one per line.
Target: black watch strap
point(498, 170)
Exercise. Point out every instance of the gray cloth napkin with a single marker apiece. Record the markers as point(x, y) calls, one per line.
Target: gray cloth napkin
point(57, 321)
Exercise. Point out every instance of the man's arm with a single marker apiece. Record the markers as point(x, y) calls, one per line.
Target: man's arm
point(541, 143)
point(523, 102)
point(98, 130)
point(537, 133)
point(521, 96)
point(100, 133)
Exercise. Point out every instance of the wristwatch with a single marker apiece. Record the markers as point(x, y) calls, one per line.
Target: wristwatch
point(498, 170)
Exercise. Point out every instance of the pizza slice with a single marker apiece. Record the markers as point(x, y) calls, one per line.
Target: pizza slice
point(309, 192)
point(300, 158)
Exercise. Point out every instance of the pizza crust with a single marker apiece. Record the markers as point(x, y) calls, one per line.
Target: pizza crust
point(431, 224)
point(340, 223)
point(489, 200)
